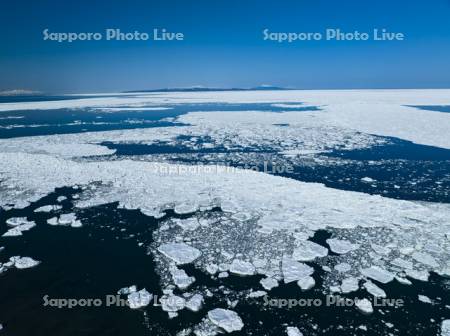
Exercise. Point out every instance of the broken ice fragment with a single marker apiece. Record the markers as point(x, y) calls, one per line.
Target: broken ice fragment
point(349, 285)
point(268, 283)
point(172, 303)
point(48, 208)
point(24, 262)
point(256, 294)
point(293, 331)
point(294, 270)
point(195, 303)
point(139, 299)
point(308, 251)
point(242, 268)
point(127, 290)
point(445, 328)
point(341, 246)
point(181, 253)
point(365, 306)
point(180, 278)
point(377, 273)
point(226, 319)
point(306, 283)
point(374, 289)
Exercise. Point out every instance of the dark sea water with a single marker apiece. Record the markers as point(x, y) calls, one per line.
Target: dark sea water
point(103, 256)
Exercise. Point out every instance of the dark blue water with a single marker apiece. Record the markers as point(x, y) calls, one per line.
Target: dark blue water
point(63, 121)
point(435, 108)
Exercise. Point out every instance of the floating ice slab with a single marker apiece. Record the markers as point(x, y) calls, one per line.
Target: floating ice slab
point(181, 253)
point(294, 270)
point(48, 208)
point(308, 251)
point(242, 268)
point(365, 306)
point(180, 278)
point(293, 331)
point(445, 328)
point(195, 303)
point(306, 283)
point(374, 289)
point(24, 262)
point(349, 285)
point(139, 299)
point(268, 283)
point(225, 319)
point(172, 303)
point(341, 246)
point(378, 274)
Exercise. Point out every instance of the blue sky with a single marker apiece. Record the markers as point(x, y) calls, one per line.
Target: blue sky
point(223, 45)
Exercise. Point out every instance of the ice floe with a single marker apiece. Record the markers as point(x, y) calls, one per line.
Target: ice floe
point(180, 253)
point(293, 331)
point(139, 299)
point(225, 319)
point(241, 267)
point(294, 270)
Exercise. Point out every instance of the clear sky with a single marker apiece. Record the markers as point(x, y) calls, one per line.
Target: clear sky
point(223, 45)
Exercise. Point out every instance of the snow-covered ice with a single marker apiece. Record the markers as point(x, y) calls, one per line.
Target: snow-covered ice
point(180, 253)
point(226, 319)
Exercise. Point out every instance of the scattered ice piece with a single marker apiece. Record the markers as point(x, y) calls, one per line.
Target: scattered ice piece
point(188, 223)
point(374, 289)
point(293, 331)
point(294, 270)
point(67, 219)
point(242, 268)
point(139, 299)
point(127, 290)
point(403, 281)
point(180, 278)
point(341, 246)
point(367, 179)
point(76, 224)
point(61, 198)
point(226, 319)
point(349, 285)
point(24, 262)
point(195, 303)
point(256, 294)
point(223, 275)
point(269, 283)
point(424, 299)
point(308, 251)
point(52, 221)
point(181, 253)
point(378, 274)
point(445, 328)
point(18, 229)
point(48, 208)
point(172, 303)
point(306, 283)
point(16, 221)
point(365, 306)
point(185, 208)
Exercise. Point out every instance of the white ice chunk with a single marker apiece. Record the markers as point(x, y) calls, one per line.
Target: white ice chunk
point(48, 208)
point(306, 283)
point(377, 273)
point(341, 246)
point(349, 285)
point(294, 270)
point(172, 303)
point(195, 303)
point(242, 267)
point(24, 262)
point(269, 283)
point(226, 319)
point(445, 328)
point(139, 299)
point(293, 331)
point(180, 278)
point(181, 253)
point(374, 289)
point(308, 251)
point(365, 306)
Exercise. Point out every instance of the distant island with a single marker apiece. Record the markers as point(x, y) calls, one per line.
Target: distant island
point(206, 89)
